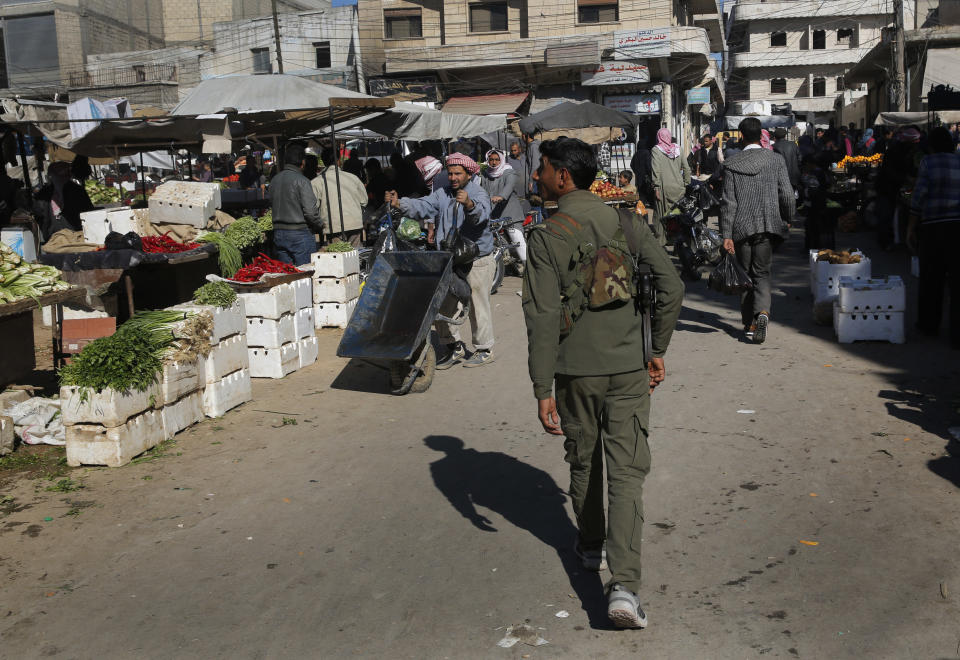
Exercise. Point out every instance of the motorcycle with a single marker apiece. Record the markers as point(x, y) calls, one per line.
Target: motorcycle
point(509, 248)
point(694, 244)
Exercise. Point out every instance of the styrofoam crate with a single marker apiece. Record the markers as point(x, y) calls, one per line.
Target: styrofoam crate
point(333, 315)
point(303, 320)
point(335, 264)
point(880, 326)
point(108, 408)
point(884, 294)
point(122, 221)
point(177, 379)
point(185, 203)
point(309, 350)
point(226, 357)
point(272, 304)
point(303, 292)
point(274, 362)
point(7, 436)
point(336, 289)
point(228, 392)
point(93, 444)
point(182, 414)
point(227, 321)
point(271, 333)
point(827, 276)
point(95, 226)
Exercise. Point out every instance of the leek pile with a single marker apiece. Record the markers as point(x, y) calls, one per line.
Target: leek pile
point(20, 280)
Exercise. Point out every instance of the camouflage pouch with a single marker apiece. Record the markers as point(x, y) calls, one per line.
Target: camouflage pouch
point(573, 298)
point(612, 277)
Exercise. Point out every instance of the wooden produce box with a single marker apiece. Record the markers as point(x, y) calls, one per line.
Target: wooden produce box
point(77, 333)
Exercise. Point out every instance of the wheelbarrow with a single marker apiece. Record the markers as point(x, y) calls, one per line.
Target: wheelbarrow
point(401, 299)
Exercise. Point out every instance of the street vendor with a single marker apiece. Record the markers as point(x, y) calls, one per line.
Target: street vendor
point(461, 205)
point(295, 214)
point(330, 193)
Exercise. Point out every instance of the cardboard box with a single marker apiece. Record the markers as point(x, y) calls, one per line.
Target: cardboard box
point(77, 333)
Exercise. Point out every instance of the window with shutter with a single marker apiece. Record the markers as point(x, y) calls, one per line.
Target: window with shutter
point(488, 17)
point(778, 86)
point(597, 11)
point(402, 24)
point(261, 60)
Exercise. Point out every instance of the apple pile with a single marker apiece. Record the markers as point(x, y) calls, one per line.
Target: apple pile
point(606, 190)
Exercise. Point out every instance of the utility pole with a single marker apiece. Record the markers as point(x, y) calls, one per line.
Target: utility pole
point(898, 87)
point(276, 35)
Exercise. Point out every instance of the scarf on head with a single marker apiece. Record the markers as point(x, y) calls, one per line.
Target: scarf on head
point(765, 139)
point(497, 172)
point(429, 167)
point(464, 161)
point(665, 144)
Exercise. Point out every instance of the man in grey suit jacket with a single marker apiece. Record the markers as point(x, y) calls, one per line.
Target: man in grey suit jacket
point(758, 205)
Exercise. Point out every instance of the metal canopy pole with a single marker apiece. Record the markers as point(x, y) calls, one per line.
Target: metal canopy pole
point(23, 166)
point(143, 182)
point(336, 171)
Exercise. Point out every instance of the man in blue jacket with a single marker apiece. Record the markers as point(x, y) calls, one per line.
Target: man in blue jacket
point(461, 204)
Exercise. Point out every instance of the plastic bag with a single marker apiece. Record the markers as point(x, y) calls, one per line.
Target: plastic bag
point(38, 421)
point(729, 276)
point(409, 230)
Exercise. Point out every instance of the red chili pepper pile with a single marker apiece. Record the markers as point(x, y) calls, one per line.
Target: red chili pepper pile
point(165, 244)
point(261, 265)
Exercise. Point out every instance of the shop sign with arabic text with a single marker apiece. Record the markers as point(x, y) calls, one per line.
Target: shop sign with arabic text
point(633, 44)
point(615, 73)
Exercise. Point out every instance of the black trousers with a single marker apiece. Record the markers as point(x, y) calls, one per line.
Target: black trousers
point(939, 266)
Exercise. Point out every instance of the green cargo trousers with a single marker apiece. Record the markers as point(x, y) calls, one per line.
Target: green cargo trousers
point(608, 415)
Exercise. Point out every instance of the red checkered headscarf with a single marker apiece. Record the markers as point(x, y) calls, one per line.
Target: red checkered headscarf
point(467, 163)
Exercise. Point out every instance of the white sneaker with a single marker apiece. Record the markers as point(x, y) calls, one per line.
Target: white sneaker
point(623, 608)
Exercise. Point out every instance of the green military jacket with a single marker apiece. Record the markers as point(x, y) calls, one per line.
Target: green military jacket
point(604, 341)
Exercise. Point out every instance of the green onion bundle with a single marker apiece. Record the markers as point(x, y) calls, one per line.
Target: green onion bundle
point(230, 258)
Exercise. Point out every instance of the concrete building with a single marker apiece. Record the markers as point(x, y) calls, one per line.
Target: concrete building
point(191, 22)
point(322, 45)
point(45, 42)
point(932, 64)
point(797, 52)
point(641, 57)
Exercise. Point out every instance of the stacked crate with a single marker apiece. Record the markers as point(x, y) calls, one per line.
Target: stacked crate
point(280, 323)
point(224, 374)
point(336, 287)
point(870, 309)
point(110, 427)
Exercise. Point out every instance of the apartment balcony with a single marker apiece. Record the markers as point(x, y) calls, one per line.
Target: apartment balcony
point(583, 50)
point(779, 58)
point(138, 74)
point(808, 9)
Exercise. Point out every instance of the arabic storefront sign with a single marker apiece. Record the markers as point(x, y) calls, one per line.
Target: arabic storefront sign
point(615, 73)
point(423, 87)
point(635, 104)
point(698, 95)
point(633, 44)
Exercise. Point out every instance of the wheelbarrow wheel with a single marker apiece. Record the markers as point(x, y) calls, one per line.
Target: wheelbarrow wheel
point(400, 369)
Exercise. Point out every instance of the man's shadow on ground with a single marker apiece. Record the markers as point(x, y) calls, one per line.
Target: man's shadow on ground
point(525, 496)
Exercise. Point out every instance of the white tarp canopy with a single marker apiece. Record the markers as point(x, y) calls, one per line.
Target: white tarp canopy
point(902, 119)
point(407, 121)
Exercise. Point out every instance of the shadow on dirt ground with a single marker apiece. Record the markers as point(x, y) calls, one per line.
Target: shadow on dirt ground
point(525, 496)
point(923, 373)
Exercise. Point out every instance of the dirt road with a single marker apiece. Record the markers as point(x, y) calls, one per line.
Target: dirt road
point(820, 525)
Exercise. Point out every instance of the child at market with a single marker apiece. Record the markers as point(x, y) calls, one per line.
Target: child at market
point(625, 179)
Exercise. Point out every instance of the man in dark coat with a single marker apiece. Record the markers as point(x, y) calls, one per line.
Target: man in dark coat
point(791, 154)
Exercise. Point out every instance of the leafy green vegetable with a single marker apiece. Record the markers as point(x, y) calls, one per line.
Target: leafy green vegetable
point(265, 223)
point(129, 359)
point(339, 246)
point(215, 293)
point(230, 258)
point(19, 279)
point(244, 232)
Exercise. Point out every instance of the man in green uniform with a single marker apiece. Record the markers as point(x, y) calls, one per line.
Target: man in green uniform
point(603, 385)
